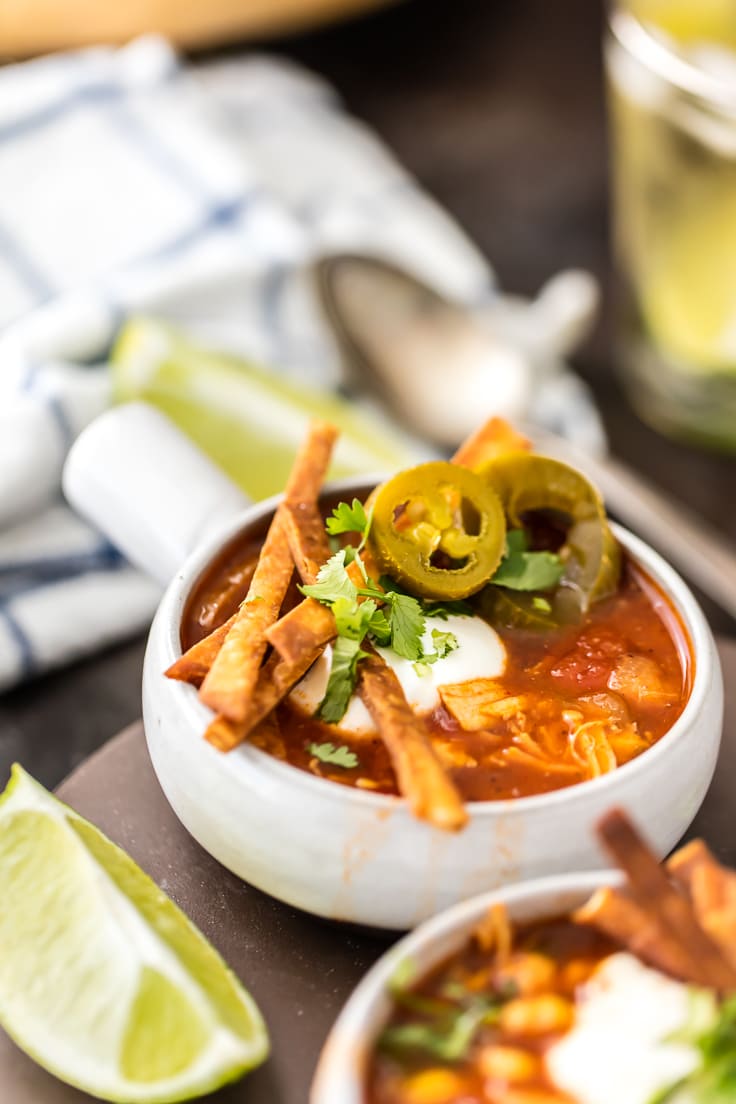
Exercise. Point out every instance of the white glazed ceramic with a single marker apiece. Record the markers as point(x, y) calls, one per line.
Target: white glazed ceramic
point(343, 1064)
point(362, 857)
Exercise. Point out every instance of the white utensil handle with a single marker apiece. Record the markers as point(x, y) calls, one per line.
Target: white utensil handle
point(142, 482)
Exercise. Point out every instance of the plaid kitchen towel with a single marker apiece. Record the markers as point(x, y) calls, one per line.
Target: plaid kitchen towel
point(130, 185)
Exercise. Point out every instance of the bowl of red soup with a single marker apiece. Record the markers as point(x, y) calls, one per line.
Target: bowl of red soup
point(374, 698)
point(597, 988)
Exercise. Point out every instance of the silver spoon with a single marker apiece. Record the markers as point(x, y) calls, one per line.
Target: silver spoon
point(439, 370)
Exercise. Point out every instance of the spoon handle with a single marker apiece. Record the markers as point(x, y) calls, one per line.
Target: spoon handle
point(688, 542)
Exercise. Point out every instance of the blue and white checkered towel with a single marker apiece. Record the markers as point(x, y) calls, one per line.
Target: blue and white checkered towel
point(129, 184)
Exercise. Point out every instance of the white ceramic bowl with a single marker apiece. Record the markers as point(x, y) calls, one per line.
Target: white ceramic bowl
point(352, 855)
point(349, 854)
point(343, 1064)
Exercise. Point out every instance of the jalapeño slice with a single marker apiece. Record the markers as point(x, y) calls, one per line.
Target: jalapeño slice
point(438, 529)
point(529, 484)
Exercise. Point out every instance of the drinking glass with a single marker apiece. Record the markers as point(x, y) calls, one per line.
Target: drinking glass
point(672, 100)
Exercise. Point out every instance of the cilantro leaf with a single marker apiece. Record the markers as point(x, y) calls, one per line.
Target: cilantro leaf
point(390, 618)
point(356, 619)
point(441, 609)
point(333, 582)
point(444, 643)
point(447, 1036)
point(338, 756)
point(523, 570)
point(407, 625)
point(342, 680)
point(379, 627)
point(516, 541)
point(348, 519)
point(352, 618)
point(713, 1033)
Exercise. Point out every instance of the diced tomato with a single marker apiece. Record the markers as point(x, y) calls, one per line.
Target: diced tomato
point(588, 665)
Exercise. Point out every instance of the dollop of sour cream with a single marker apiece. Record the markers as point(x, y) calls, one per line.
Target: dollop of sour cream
point(620, 1050)
point(480, 653)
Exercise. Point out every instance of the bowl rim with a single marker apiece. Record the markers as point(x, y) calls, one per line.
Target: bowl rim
point(342, 1060)
point(247, 757)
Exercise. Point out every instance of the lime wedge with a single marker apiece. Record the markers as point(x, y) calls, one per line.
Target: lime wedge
point(103, 981)
point(250, 421)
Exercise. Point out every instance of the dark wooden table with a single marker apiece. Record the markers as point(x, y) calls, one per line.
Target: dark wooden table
point(497, 107)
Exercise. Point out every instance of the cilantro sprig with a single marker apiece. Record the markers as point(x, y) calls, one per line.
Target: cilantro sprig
point(401, 623)
point(387, 617)
point(350, 519)
point(343, 676)
point(337, 756)
point(443, 1029)
point(713, 1034)
point(444, 644)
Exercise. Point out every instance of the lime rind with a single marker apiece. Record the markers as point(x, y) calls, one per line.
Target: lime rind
point(177, 977)
point(249, 420)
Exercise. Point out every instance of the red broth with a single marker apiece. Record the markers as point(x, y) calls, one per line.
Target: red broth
point(542, 734)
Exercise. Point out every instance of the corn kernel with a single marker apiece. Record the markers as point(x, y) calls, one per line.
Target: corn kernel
point(433, 1086)
point(538, 1015)
point(528, 972)
point(508, 1064)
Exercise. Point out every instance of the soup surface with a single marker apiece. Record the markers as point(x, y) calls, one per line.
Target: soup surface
point(570, 704)
point(630, 999)
point(521, 1002)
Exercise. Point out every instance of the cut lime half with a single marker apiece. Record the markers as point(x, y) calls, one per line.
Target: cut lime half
point(103, 980)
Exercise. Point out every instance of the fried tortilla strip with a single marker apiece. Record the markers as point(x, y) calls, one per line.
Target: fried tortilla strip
point(495, 438)
point(419, 773)
point(193, 666)
point(712, 890)
point(267, 736)
point(232, 677)
point(615, 913)
point(495, 934)
point(709, 884)
point(309, 625)
point(653, 892)
point(305, 533)
point(277, 679)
